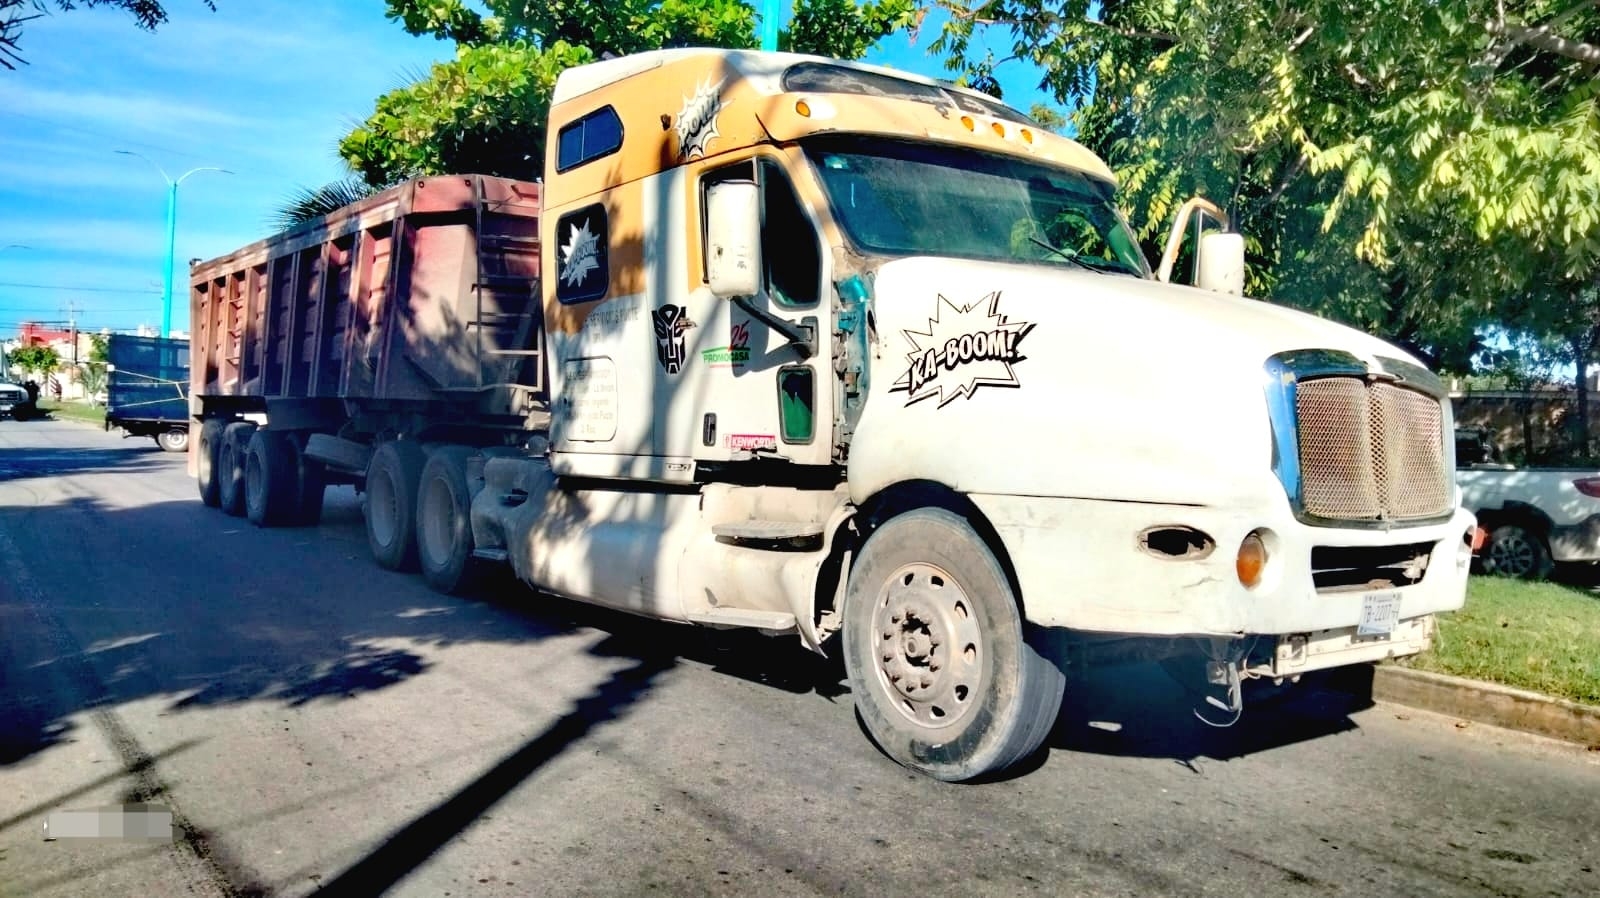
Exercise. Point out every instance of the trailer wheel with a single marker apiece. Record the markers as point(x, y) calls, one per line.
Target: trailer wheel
point(392, 481)
point(270, 489)
point(230, 466)
point(173, 440)
point(311, 481)
point(207, 463)
point(444, 521)
point(944, 680)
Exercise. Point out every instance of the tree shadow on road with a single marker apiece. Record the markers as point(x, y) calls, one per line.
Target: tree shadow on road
point(29, 463)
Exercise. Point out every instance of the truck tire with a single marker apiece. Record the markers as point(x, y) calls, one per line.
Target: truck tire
point(270, 489)
point(174, 440)
point(392, 482)
point(230, 467)
point(311, 481)
point(1514, 550)
point(207, 462)
point(944, 680)
point(444, 521)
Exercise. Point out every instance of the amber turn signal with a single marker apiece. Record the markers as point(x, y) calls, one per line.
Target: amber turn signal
point(1252, 561)
point(802, 107)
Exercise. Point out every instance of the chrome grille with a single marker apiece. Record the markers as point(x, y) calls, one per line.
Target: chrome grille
point(1370, 451)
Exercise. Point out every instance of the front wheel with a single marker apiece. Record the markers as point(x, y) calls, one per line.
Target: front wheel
point(944, 680)
point(1516, 551)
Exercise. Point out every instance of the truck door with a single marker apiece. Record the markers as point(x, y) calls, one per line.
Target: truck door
point(762, 395)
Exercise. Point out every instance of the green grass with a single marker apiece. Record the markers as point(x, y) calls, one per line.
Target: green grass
point(1539, 636)
point(77, 411)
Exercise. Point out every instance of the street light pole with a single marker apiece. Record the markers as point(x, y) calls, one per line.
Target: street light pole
point(172, 233)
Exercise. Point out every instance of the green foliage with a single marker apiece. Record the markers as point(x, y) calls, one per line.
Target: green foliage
point(485, 110)
point(99, 348)
point(1416, 168)
point(147, 15)
point(36, 359)
point(311, 203)
point(1538, 636)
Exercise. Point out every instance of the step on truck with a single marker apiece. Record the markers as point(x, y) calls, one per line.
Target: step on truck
point(147, 388)
point(817, 348)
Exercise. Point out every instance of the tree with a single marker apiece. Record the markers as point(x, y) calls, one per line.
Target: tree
point(36, 359)
point(1405, 167)
point(147, 15)
point(484, 111)
point(92, 373)
point(309, 203)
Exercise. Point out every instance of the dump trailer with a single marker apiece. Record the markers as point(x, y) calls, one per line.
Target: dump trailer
point(398, 324)
point(147, 388)
point(818, 348)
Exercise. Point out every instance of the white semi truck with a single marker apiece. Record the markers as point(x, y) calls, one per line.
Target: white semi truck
point(824, 349)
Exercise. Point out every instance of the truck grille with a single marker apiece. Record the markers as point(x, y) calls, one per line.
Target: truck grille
point(1370, 451)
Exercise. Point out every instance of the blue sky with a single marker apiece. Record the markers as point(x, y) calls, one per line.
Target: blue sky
point(264, 88)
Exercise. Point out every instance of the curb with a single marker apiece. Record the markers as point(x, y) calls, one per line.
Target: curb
point(1491, 703)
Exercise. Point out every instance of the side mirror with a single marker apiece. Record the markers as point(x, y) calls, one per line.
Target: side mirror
point(733, 238)
point(1221, 263)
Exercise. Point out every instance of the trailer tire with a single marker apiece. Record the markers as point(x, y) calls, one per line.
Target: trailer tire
point(926, 581)
point(444, 522)
point(173, 440)
point(270, 489)
point(311, 480)
point(207, 462)
point(392, 482)
point(230, 467)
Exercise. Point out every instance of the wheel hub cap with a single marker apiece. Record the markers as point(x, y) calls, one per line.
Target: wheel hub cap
point(929, 647)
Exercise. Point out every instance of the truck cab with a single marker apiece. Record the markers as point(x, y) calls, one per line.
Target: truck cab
point(874, 360)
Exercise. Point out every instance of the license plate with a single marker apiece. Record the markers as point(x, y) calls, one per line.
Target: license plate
point(5, 406)
point(1380, 613)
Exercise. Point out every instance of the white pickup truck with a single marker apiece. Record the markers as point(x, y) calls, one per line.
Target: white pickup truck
point(1534, 517)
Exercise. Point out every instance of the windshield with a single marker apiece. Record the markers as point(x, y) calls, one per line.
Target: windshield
point(902, 198)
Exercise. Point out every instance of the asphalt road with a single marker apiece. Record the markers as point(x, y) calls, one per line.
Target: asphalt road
point(316, 723)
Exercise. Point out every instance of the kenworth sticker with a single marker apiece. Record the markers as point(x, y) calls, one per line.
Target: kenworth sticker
point(964, 348)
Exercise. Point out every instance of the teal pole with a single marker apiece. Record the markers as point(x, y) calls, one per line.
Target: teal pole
point(172, 232)
point(769, 24)
point(166, 270)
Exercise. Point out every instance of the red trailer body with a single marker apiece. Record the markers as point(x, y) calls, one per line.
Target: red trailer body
point(414, 311)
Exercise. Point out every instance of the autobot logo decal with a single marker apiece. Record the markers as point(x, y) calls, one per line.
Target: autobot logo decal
point(964, 348)
point(697, 121)
point(671, 321)
point(580, 255)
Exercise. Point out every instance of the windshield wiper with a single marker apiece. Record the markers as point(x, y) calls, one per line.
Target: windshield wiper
point(1070, 257)
point(1075, 259)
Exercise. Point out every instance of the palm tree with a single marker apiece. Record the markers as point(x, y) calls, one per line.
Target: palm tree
point(310, 203)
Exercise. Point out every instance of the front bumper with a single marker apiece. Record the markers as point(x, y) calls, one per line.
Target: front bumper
point(1080, 566)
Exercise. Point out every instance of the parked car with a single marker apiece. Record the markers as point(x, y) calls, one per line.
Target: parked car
point(11, 396)
point(1532, 517)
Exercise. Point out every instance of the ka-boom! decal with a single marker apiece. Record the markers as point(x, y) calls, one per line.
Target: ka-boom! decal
point(697, 121)
point(964, 348)
point(580, 255)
